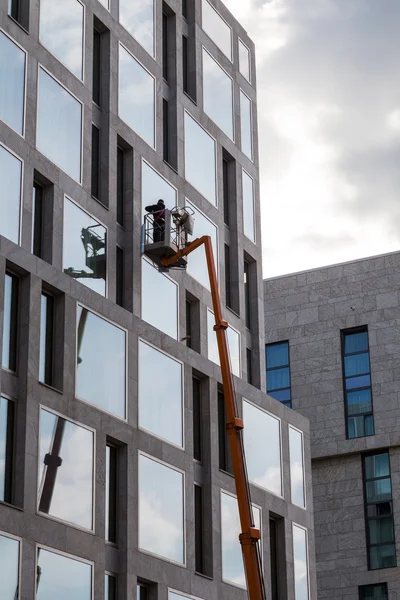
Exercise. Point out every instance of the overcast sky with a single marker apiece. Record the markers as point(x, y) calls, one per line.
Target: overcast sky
point(329, 125)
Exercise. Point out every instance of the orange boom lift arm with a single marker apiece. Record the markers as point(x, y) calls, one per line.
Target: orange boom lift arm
point(250, 535)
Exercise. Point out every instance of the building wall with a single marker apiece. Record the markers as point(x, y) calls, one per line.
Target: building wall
point(20, 517)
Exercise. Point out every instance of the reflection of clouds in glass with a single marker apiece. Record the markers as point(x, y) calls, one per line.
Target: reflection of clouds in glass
point(262, 448)
point(296, 467)
point(63, 578)
point(9, 567)
point(12, 85)
point(159, 300)
point(245, 125)
point(136, 96)
point(218, 94)
point(200, 173)
point(137, 16)
point(160, 394)
point(233, 339)
point(10, 176)
point(197, 264)
point(300, 563)
point(72, 498)
point(161, 529)
point(61, 32)
point(217, 29)
point(244, 60)
point(248, 206)
point(101, 368)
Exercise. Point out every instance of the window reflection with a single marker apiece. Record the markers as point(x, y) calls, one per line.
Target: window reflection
point(296, 467)
point(110, 587)
point(262, 445)
point(233, 344)
point(101, 363)
point(6, 449)
point(161, 513)
point(61, 32)
point(12, 84)
point(10, 323)
point(59, 125)
point(217, 94)
point(160, 413)
point(200, 173)
point(197, 264)
point(300, 563)
point(155, 187)
point(65, 480)
point(244, 60)
point(62, 577)
point(136, 96)
point(10, 176)
point(216, 28)
point(84, 248)
point(245, 125)
point(155, 285)
point(248, 206)
point(232, 558)
point(137, 16)
point(9, 568)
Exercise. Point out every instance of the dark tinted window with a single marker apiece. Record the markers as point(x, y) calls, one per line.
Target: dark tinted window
point(278, 372)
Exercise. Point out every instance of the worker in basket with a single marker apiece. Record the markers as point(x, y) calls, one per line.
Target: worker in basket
point(158, 212)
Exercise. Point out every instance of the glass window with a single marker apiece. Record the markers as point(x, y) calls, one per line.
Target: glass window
point(37, 220)
point(262, 443)
point(62, 577)
point(177, 596)
point(11, 178)
point(300, 558)
point(6, 449)
point(374, 592)
point(296, 467)
point(232, 559)
point(155, 187)
point(245, 125)
point(216, 28)
point(9, 568)
point(110, 587)
point(136, 96)
point(161, 414)
point(156, 285)
point(248, 206)
point(217, 94)
point(65, 478)
point(12, 84)
point(101, 363)
point(244, 60)
point(61, 32)
point(233, 338)
point(137, 16)
point(161, 523)
point(59, 125)
point(278, 372)
point(10, 323)
point(201, 173)
point(111, 494)
point(46, 339)
point(84, 248)
point(142, 592)
point(197, 264)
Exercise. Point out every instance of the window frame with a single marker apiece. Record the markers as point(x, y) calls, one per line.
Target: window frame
point(114, 576)
point(233, 138)
point(115, 517)
point(186, 112)
point(240, 41)
point(16, 281)
point(21, 186)
point(287, 403)
point(303, 465)
point(250, 158)
point(20, 541)
point(254, 239)
point(294, 524)
point(153, 55)
point(9, 464)
point(178, 593)
point(49, 338)
point(167, 276)
point(371, 585)
point(22, 135)
point(215, 252)
point(230, 58)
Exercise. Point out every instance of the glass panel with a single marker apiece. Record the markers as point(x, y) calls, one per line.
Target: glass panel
point(280, 395)
point(9, 568)
point(377, 465)
point(84, 248)
point(156, 286)
point(197, 264)
point(217, 94)
point(110, 587)
point(296, 467)
point(59, 125)
point(9, 352)
point(374, 592)
point(355, 342)
point(101, 363)
point(5, 409)
point(233, 338)
point(300, 563)
point(382, 557)
point(358, 382)
point(379, 490)
point(369, 425)
point(278, 378)
point(161, 513)
point(217, 29)
point(136, 96)
point(381, 530)
point(201, 173)
point(61, 32)
point(105, 3)
point(46, 339)
point(248, 206)
point(359, 402)
point(244, 60)
point(160, 413)
point(62, 578)
point(12, 84)
point(277, 355)
point(262, 444)
point(356, 364)
point(137, 16)
point(10, 176)
point(141, 592)
point(65, 480)
point(111, 494)
point(232, 559)
point(155, 187)
point(245, 124)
